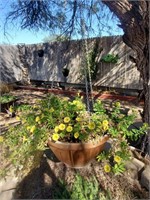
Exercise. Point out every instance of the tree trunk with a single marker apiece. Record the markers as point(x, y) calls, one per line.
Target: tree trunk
point(134, 19)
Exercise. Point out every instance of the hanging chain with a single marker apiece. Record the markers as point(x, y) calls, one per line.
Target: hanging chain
point(87, 90)
point(84, 65)
point(89, 74)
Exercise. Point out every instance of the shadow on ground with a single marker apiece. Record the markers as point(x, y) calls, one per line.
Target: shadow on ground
point(47, 181)
point(41, 183)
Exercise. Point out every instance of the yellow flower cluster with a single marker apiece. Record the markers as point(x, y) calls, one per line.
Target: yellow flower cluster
point(68, 128)
point(78, 104)
point(31, 128)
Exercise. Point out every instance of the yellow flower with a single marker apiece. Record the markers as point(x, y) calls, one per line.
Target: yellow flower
point(105, 127)
point(75, 102)
point(78, 119)
point(105, 122)
point(117, 104)
point(62, 127)
point(17, 118)
point(69, 128)
point(56, 129)
point(24, 121)
point(42, 116)
point(78, 94)
point(28, 128)
point(78, 104)
point(1, 139)
point(51, 110)
point(107, 168)
point(55, 137)
point(117, 159)
point(24, 139)
point(91, 125)
point(76, 135)
point(67, 119)
point(35, 106)
point(37, 119)
point(11, 109)
point(32, 129)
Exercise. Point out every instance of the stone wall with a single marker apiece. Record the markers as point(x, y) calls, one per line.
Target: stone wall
point(71, 54)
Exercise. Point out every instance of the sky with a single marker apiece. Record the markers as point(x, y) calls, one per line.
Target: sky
point(15, 35)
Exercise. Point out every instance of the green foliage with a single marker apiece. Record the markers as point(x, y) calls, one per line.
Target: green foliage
point(85, 189)
point(136, 133)
point(6, 98)
point(118, 168)
point(99, 107)
point(93, 65)
point(23, 107)
point(82, 188)
point(114, 159)
point(90, 63)
point(110, 58)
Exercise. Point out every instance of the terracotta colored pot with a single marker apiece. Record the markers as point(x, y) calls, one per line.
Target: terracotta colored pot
point(77, 154)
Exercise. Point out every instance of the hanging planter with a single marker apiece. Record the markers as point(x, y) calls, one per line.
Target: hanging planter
point(77, 154)
point(75, 135)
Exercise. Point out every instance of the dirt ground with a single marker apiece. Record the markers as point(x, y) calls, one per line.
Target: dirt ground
point(44, 181)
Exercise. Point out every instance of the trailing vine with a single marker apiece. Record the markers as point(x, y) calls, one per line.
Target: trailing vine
point(92, 62)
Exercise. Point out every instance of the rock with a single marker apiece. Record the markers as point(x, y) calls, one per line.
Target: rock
point(145, 178)
point(134, 168)
point(139, 164)
point(7, 187)
point(135, 164)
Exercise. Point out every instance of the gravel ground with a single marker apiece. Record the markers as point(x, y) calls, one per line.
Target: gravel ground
point(43, 182)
